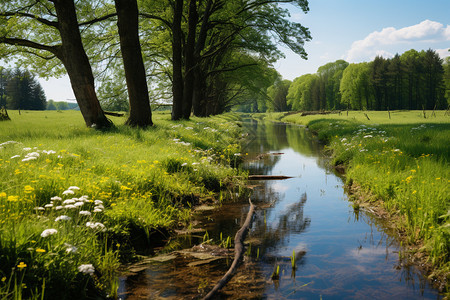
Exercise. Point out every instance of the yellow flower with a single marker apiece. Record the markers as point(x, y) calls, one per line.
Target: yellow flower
point(414, 192)
point(2, 194)
point(414, 171)
point(3, 279)
point(124, 188)
point(39, 250)
point(28, 189)
point(21, 265)
point(17, 172)
point(13, 198)
point(438, 178)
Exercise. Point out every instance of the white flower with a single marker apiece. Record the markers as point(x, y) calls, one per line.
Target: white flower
point(32, 154)
point(98, 202)
point(184, 164)
point(70, 206)
point(15, 156)
point(59, 207)
point(48, 205)
point(73, 188)
point(97, 210)
point(78, 204)
point(86, 269)
point(39, 208)
point(69, 201)
point(189, 128)
point(56, 198)
point(49, 152)
point(367, 136)
point(85, 213)
point(63, 218)
point(96, 225)
point(70, 248)
point(237, 154)
point(29, 158)
point(100, 206)
point(48, 232)
point(27, 149)
point(68, 192)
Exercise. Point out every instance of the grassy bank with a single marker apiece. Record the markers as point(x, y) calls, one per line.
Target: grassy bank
point(75, 203)
point(402, 160)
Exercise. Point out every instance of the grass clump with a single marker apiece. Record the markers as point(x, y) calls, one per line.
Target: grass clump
point(75, 203)
point(404, 162)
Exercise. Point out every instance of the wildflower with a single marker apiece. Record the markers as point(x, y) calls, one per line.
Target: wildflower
point(97, 210)
point(70, 248)
point(69, 201)
point(39, 250)
point(70, 206)
point(22, 265)
point(63, 218)
point(39, 208)
point(96, 225)
point(237, 154)
point(50, 205)
point(98, 202)
point(3, 279)
point(29, 158)
point(85, 213)
point(368, 136)
point(86, 269)
point(48, 232)
point(414, 192)
point(56, 198)
point(28, 189)
point(59, 207)
point(2, 194)
point(73, 188)
point(79, 204)
point(124, 188)
point(15, 156)
point(184, 164)
point(68, 192)
point(26, 149)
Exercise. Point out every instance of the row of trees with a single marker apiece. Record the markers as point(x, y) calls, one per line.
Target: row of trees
point(204, 55)
point(20, 90)
point(413, 80)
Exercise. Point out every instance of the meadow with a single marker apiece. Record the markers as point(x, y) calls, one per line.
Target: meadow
point(398, 161)
point(76, 203)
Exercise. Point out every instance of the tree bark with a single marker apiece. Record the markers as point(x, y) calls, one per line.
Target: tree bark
point(190, 60)
point(74, 58)
point(128, 25)
point(177, 64)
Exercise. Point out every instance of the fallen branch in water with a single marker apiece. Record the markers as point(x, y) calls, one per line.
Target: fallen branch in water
point(268, 177)
point(238, 252)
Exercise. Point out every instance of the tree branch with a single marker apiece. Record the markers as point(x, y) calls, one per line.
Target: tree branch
point(31, 44)
point(31, 16)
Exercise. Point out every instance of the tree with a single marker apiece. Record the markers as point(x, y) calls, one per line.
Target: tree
point(57, 35)
point(127, 23)
point(277, 95)
point(355, 89)
point(3, 82)
point(447, 79)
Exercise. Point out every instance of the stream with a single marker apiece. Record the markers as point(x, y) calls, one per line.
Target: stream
point(339, 253)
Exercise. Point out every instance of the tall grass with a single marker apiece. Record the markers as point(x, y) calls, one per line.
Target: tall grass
point(402, 160)
point(75, 202)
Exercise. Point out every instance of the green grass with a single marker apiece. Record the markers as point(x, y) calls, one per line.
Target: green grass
point(131, 184)
point(404, 162)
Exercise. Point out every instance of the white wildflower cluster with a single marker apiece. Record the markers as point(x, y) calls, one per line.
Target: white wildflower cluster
point(48, 232)
point(178, 141)
point(363, 133)
point(420, 127)
point(86, 269)
point(4, 144)
point(35, 154)
point(96, 226)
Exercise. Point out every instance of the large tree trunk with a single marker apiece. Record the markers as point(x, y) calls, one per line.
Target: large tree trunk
point(127, 23)
point(77, 64)
point(177, 64)
point(190, 60)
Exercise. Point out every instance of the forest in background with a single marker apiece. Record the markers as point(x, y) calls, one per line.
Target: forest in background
point(413, 80)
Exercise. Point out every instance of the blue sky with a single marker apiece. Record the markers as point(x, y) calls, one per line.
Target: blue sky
point(358, 30)
point(353, 30)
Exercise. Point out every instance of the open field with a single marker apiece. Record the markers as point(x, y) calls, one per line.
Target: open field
point(75, 201)
point(403, 163)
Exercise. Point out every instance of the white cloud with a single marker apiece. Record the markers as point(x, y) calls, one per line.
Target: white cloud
point(376, 42)
point(443, 53)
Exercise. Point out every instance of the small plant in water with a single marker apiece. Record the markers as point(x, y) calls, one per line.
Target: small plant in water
point(294, 266)
point(276, 273)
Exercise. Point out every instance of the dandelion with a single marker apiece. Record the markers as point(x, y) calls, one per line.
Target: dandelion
point(22, 265)
point(28, 189)
point(85, 213)
point(86, 269)
point(2, 194)
point(63, 218)
point(39, 250)
point(48, 232)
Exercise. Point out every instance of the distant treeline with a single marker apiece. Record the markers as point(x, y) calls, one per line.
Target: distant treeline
point(413, 80)
point(20, 90)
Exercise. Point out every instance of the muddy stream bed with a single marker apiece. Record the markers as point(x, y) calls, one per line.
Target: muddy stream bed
point(339, 253)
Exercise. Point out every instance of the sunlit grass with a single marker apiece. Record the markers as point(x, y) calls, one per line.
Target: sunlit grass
point(402, 160)
point(99, 192)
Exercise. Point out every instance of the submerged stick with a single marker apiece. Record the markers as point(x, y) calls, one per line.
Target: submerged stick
point(238, 252)
point(268, 177)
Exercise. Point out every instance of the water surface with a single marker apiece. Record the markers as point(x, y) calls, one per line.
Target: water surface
point(340, 253)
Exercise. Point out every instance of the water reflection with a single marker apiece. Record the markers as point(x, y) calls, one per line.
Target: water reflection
point(340, 253)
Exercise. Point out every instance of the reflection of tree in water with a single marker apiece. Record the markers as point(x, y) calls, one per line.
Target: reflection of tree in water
point(274, 235)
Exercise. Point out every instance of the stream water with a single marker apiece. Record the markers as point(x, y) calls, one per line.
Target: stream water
point(339, 253)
